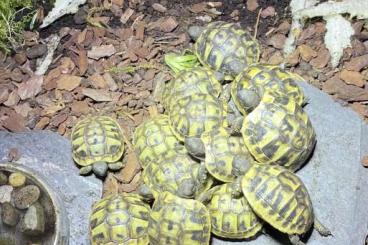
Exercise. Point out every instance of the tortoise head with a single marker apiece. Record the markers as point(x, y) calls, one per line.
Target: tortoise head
point(187, 188)
point(195, 147)
point(195, 31)
point(249, 99)
point(240, 165)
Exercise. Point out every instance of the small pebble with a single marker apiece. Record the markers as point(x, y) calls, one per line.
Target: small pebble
point(26, 196)
point(36, 51)
point(17, 179)
point(48, 207)
point(33, 222)
point(9, 214)
point(3, 178)
point(5, 193)
point(7, 239)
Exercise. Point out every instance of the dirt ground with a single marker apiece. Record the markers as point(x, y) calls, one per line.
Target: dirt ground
point(136, 34)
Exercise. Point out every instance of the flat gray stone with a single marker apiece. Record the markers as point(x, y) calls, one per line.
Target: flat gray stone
point(50, 155)
point(334, 176)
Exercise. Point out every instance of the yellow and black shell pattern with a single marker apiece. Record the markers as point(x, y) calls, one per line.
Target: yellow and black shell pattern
point(279, 132)
point(231, 216)
point(259, 78)
point(195, 114)
point(119, 219)
point(97, 138)
point(226, 47)
point(279, 197)
point(178, 221)
point(196, 80)
point(223, 154)
point(172, 173)
point(154, 141)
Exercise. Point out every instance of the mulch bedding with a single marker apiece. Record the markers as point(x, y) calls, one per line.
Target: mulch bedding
point(89, 73)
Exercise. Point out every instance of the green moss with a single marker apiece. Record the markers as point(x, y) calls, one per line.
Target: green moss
point(15, 15)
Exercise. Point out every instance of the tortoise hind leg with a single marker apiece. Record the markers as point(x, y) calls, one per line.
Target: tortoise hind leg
point(322, 230)
point(295, 240)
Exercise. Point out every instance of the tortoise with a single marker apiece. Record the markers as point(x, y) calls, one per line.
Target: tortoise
point(191, 81)
point(279, 132)
point(225, 156)
point(97, 145)
point(178, 221)
point(279, 197)
point(250, 85)
point(231, 216)
point(119, 219)
point(154, 140)
point(179, 174)
point(192, 115)
point(226, 48)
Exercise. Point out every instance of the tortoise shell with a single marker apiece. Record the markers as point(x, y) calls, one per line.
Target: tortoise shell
point(279, 132)
point(97, 138)
point(154, 141)
point(223, 153)
point(193, 115)
point(256, 79)
point(178, 221)
point(172, 173)
point(226, 47)
point(279, 197)
point(231, 216)
point(119, 219)
point(188, 82)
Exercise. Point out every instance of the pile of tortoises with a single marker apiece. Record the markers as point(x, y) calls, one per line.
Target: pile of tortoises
point(220, 160)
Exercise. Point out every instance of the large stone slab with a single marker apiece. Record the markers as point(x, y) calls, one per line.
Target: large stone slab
point(334, 176)
point(50, 155)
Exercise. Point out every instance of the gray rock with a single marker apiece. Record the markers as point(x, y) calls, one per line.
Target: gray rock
point(9, 215)
point(26, 196)
point(33, 221)
point(49, 155)
point(5, 193)
point(337, 183)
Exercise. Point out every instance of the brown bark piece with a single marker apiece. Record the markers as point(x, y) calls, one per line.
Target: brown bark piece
point(343, 91)
point(306, 52)
point(357, 63)
point(68, 82)
point(352, 77)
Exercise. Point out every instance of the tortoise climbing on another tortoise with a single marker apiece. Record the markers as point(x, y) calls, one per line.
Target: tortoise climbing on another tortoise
point(154, 141)
point(231, 215)
point(225, 47)
point(279, 132)
point(178, 221)
point(192, 115)
point(250, 85)
point(119, 219)
point(225, 156)
point(281, 199)
point(97, 145)
point(179, 174)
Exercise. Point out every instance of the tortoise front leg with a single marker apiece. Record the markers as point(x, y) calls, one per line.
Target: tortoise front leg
point(85, 170)
point(295, 240)
point(115, 166)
